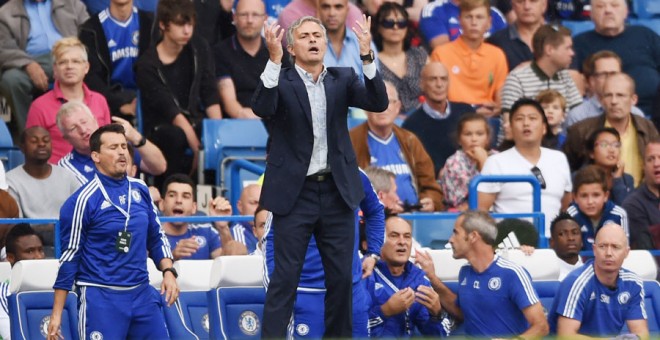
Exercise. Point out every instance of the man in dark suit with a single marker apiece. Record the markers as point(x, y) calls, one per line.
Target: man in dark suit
point(312, 185)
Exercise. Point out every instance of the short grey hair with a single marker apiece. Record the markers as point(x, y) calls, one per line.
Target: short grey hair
point(380, 178)
point(70, 107)
point(289, 33)
point(482, 223)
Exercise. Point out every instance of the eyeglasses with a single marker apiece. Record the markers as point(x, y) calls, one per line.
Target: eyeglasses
point(539, 176)
point(389, 24)
point(605, 145)
point(246, 15)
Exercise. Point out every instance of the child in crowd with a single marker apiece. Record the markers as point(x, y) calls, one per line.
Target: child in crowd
point(591, 206)
point(466, 162)
point(554, 105)
point(604, 148)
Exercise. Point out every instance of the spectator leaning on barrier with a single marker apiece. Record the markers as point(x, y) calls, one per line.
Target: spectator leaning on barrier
point(195, 241)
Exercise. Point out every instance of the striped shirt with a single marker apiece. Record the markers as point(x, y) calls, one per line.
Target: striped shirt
point(611, 213)
point(528, 81)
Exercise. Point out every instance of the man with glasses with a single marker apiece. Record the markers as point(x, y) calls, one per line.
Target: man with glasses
point(527, 157)
point(596, 69)
point(69, 69)
point(240, 59)
point(599, 298)
point(618, 97)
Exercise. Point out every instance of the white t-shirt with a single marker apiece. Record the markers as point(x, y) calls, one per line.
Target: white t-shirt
point(41, 198)
point(3, 178)
point(566, 268)
point(517, 197)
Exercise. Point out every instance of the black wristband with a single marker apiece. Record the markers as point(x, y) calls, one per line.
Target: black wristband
point(142, 142)
point(171, 270)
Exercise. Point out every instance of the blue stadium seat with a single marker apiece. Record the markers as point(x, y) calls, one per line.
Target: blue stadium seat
point(31, 301)
point(10, 155)
point(188, 318)
point(433, 233)
point(646, 9)
point(237, 298)
point(546, 291)
point(578, 27)
point(652, 23)
point(652, 305)
point(225, 139)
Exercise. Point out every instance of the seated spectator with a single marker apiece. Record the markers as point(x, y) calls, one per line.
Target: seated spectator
point(527, 157)
point(635, 131)
point(591, 206)
point(384, 183)
point(77, 124)
point(477, 70)
point(400, 63)
point(554, 106)
point(299, 8)
point(115, 38)
point(176, 78)
point(39, 188)
point(22, 243)
point(402, 297)
point(498, 300)
point(28, 31)
point(604, 148)
point(379, 142)
point(439, 22)
point(466, 163)
point(642, 204)
point(434, 123)
point(553, 53)
point(566, 240)
point(195, 241)
point(638, 47)
point(596, 69)
point(8, 205)
point(261, 217)
point(516, 40)
point(244, 232)
point(601, 297)
point(69, 68)
point(240, 59)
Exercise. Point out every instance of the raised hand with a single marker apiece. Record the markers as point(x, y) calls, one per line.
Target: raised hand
point(363, 33)
point(273, 34)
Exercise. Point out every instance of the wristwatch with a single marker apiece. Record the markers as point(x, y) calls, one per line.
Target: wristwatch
point(171, 270)
point(368, 57)
point(141, 143)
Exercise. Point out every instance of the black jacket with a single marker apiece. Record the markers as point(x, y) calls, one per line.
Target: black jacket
point(100, 65)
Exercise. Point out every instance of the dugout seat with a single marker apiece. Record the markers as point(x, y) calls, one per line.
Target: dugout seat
point(188, 318)
point(155, 275)
point(542, 265)
point(642, 263)
point(31, 301)
point(236, 299)
point(446, 266)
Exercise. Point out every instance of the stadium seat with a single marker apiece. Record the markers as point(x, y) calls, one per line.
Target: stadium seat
point(31, 301)
point(542, 265)
point(5, 271)
point(188, 318)
point(227, 139)
point(578, 27)
point(652, 305)
point(446, 266)
point(433, 233)
point(652, 23)
point(155, 275)
point(546, 291)
point(642, 263)
point(237, 297)
point(10, 155)
point(646, 9)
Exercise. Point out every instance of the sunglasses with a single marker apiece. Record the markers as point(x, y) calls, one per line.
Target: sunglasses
point(389, 24)
point(539, 176)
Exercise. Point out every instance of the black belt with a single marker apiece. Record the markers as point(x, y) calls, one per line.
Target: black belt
point(319, 176)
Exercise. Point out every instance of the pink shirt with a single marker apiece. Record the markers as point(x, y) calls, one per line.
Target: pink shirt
point(300, 8)
point(43, 112)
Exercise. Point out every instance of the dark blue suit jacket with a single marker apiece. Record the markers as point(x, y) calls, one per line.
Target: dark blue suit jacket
point(288, 111)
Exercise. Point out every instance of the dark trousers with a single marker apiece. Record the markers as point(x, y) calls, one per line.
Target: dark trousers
point(319, 211)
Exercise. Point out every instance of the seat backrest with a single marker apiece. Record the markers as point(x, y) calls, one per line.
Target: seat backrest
point(194, 275)
point(237, 271)
point(542, 265)
point(5, 137)
point(5, 271)
point(236, 312)
point(578, 26)
point(652, 305)
point(221, 137)
point(546, 291)
point(433, 233)
point(642, 263)
point(446, 266)
point(155, 275)
point(31, 301)
point(646, 9)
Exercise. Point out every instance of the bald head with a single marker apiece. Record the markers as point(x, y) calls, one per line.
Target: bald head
point(249, 200)
point(434, 82)
point(612, 232)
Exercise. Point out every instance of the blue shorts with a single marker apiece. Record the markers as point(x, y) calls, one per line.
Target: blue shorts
point(105, 313)
point(309, 313)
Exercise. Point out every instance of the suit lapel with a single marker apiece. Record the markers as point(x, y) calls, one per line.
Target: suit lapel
point(329, 83)
point(301, 92)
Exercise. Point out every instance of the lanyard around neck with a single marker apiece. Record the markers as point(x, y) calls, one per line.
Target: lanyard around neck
point(127, 212)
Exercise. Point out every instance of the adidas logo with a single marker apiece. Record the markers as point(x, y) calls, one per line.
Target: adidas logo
point(584, 229)
point(378, 286)
point(464, 282)
point(105, 204)
point(111, 43)
point(88, 168)
point(453, 20)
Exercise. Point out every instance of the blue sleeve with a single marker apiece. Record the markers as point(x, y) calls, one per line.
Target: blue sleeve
point(213, 238)
point(157, 242)
point(636, 310)
point(498, 22)
point(377, 320)
point(521, 291)
point(426, 324)
point(73, 219)
point(374, 216)
point(569, 301)
point(432, 25)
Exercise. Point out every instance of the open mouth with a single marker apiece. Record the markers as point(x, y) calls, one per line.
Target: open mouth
point(177, 211)
point(314, 49)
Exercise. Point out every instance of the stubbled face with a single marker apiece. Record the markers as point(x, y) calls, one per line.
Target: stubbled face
point(259, 228)
point(178, 201)
point(71, 67)
point(591, 199)
point(398, 242)
point(309, 44)
point(333, 14)
point(78, 127)
point(475, 23)
point(111, 159)
point(566, 239)
point(459, 240)
point(607, 149)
